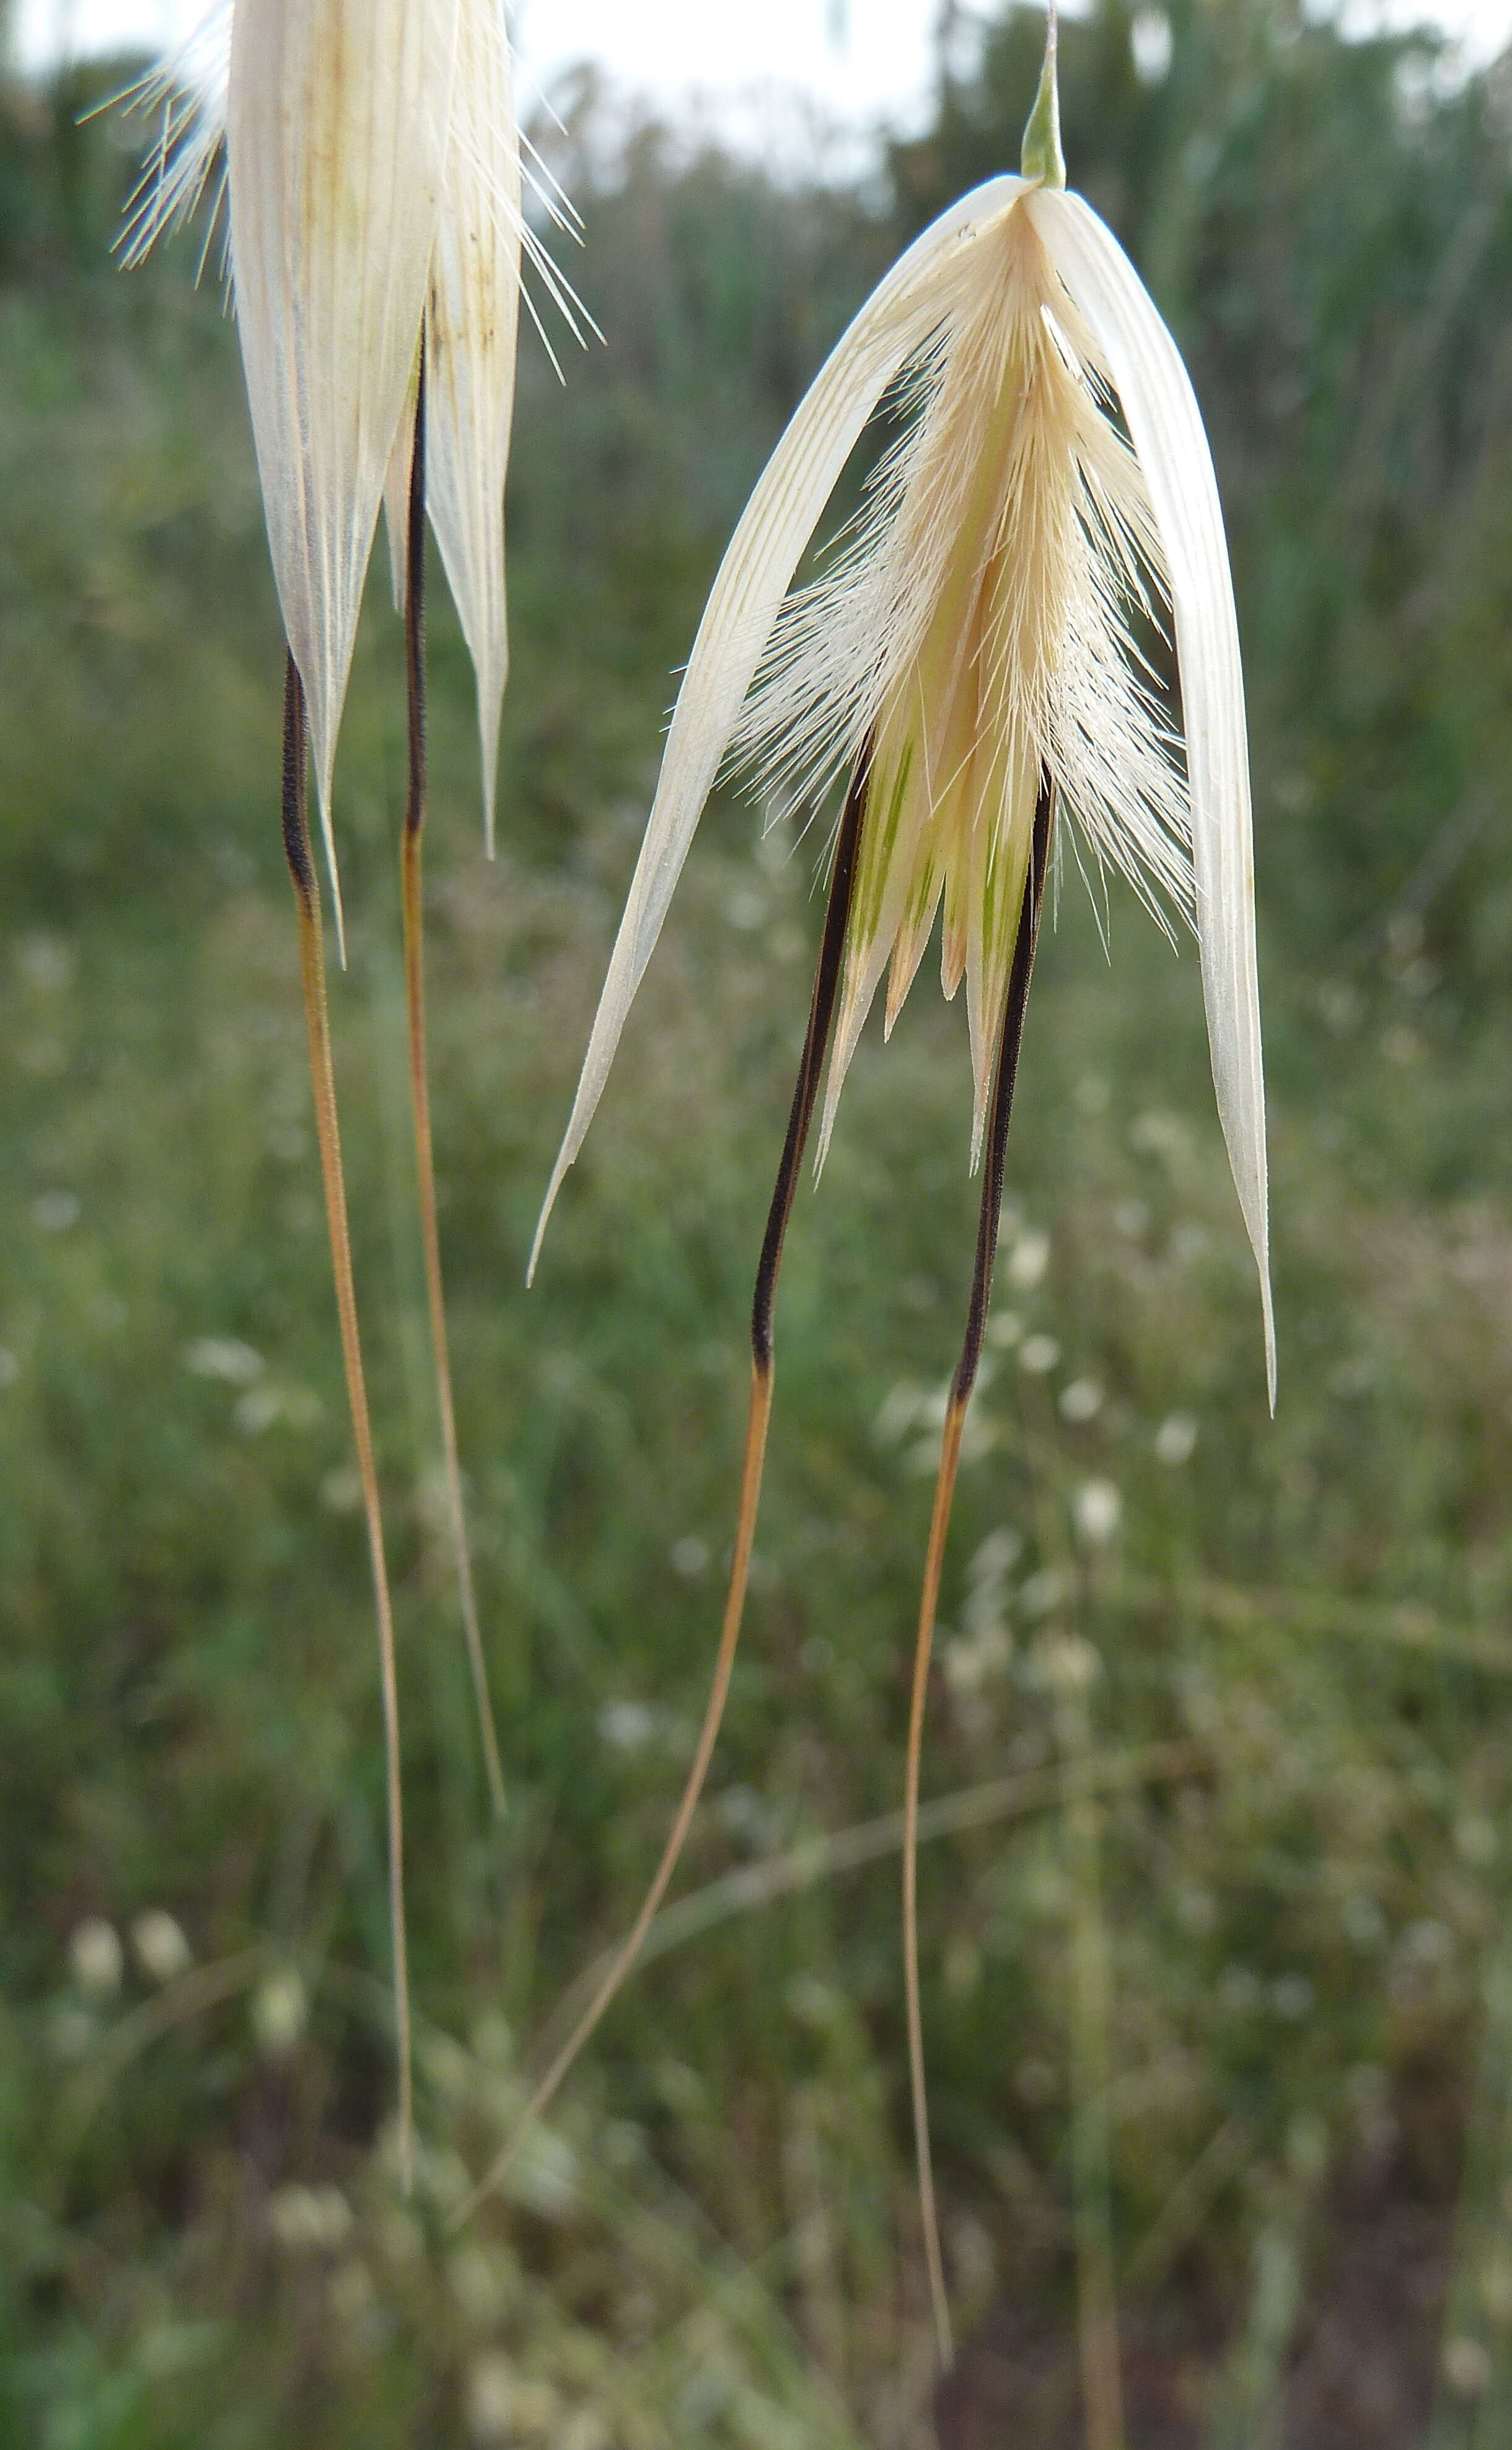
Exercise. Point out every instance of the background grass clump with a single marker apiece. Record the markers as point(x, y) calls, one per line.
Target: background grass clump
point(1216, 1908)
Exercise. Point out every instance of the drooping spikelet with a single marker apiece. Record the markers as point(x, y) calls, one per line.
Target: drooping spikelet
point(366, 164)
point(971, 663)
point(365, 160)
point(980, 631)
point(976, 631)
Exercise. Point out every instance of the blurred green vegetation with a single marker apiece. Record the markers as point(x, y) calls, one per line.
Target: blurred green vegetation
point(1222, 1705)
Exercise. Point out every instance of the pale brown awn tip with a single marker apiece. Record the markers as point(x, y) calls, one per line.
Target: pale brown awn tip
point(312, 963)
point(1005, 1075)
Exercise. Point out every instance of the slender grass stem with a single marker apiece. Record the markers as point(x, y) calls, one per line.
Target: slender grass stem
point(934, 1560)
point(410, 859)
point(322, 1077)
point(755, 1886)
point(961, 1384)
point(805, 1094)
point(1091, 2121)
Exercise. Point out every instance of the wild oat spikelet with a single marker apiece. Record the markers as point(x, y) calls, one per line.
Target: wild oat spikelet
point(970, 663)
point(367, 158)
point(977, 632)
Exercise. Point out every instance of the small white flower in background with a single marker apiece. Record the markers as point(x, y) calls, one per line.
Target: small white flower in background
point(159, 1947)
point(902, 1407)
point(1028, 1260)
point(258, 1410)
point(342, 1489)
point(225, 1357)
point(1097, 1509)
point(1477, 1838)
point(478, 2278)
point(748, 1816)
point(985, 1607)
point(1081, 1401)
point(493, 2391)
point(627, 1725)
point(440, 2174)
point(974, 1660)
point(372, 186)
point(545, 2176)
point(280, 2010)
point(310, 2220)
point(46, 963)
point(447, 2065)
point(1176, 1438)
point(1467, 2368)
point(585, 2430)
point(997, 1557)
point(96, 1956)
point(1239, 1989)
point(1038, 1356)
point(1041, 1592)
point(9, 1367)
point(1292, 1999)
point(1157, 1133)
point(1065, 1663)
point(973, 643)
point(262, 1407)
point(55, 1212)
point(1365, 1925)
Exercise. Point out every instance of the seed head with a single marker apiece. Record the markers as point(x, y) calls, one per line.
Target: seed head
point(982, 629)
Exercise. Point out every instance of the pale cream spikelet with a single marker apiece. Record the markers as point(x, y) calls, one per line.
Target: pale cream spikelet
point(979, 631)
point(366, 159)
point(970, 666)
point(975, 632)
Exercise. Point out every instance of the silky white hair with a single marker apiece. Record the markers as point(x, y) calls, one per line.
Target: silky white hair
point(974, 630)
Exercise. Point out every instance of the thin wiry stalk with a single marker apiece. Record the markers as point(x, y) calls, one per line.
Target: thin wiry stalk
point(805, 1094)
point(1091, 2140)
point(411, 870)
point(815, 1859)
point(965, 1377)
point(316, 1017)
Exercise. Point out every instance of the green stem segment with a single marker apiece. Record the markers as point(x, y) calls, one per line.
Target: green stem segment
point(317, 1016)
point(1043, 157)
point(965, 1378)
point(805, 1094)
point(412, 897)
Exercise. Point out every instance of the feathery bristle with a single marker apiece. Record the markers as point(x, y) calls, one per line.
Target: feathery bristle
point(187, 90)
point(977, 624)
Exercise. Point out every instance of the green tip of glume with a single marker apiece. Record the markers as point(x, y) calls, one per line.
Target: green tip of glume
point(1043, 159)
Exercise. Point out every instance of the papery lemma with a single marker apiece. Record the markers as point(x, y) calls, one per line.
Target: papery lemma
point(471, 332)
point(336, 138)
